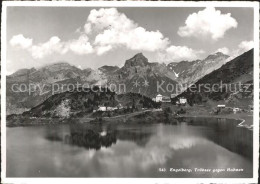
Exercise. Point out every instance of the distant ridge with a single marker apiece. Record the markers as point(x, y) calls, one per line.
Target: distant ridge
point(137, 74)
point(240, 69)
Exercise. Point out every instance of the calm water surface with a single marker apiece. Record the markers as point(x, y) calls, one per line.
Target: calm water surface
point(130, 150)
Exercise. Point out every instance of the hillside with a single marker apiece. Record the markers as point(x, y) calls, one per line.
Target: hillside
point(43, 80)
point(188, 72)
point(81, 103)
point(236, 77)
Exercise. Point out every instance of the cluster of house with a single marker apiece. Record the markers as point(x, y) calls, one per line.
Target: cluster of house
point(222, 106)
point(235, 109)
point(181, 101)
point(160, 98)
point(107, 108)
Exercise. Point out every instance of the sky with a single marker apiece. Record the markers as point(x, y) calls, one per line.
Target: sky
point(90, 37)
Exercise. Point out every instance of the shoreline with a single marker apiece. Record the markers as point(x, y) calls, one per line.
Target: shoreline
point(243, 118)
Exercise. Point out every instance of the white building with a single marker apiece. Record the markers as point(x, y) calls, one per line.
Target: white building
point(119, 106)
point(110, 108)
point(183, 100)
point(102, 108)
point(166, 99)
point(235, 110)
point(158, 98)
point(221, 106)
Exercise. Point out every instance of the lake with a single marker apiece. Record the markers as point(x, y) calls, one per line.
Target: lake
point(132, 150)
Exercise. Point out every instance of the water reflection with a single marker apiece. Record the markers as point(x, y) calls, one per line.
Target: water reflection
point(223, 132)
point(97, 136)
point(129, 150)
point(90, 139)
point(227, 134)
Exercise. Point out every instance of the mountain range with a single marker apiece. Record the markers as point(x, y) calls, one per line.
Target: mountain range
point(232, 84)
point(189, 72)
point(137, 75)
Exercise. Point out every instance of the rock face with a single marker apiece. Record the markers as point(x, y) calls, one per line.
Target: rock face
point(36, 85)
point(140, 76)
point(137, 75)
point(233, 84)
point(137, 61)
point(188, 73)
point(108, 69)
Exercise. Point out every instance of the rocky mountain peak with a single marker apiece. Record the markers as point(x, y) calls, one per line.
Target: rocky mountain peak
point(22, 72)
point(216, 55)
point(60, 66)
point(107, 68)
point(138, 60)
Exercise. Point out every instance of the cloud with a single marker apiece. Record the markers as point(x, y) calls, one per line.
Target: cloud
point(80, 46)
point(21, 41)
point(107, 28)
point(78, 30)
point(208, 22)
point(246, 45)
point(80, 67)
point(105, 18)
point(179, 53)
point(53, 45)
point(87, 28)
point(224, 50)
point(117, 30)
point(10, 68)
point(243, 47)
point(103, 49)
